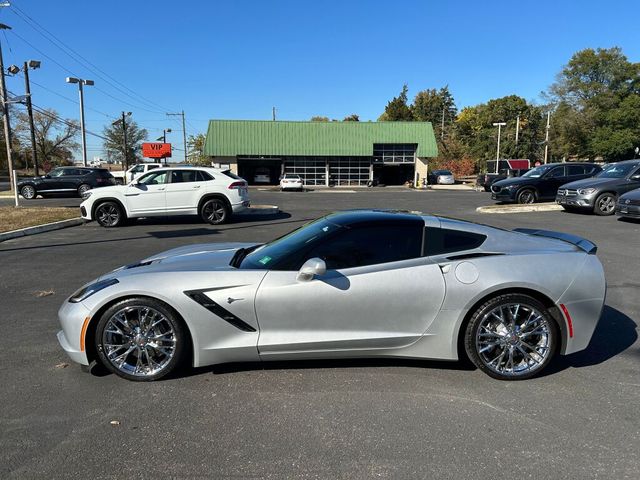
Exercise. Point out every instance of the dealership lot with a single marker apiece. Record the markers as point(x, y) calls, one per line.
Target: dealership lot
point(338, 419)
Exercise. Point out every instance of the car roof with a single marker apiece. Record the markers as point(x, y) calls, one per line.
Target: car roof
point(359, 216)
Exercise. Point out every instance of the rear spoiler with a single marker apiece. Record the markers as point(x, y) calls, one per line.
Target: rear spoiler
point(581, 243)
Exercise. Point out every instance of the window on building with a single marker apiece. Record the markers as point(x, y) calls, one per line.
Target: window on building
point(394, 152)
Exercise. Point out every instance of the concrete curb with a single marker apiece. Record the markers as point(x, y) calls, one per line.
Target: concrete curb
point(261, 210)
point(47, 227)
point(452, 187)
point(542, 207)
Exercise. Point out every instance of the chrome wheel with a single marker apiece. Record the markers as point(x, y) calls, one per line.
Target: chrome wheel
point(108, 214)
point(514, 339)
point(214, 212)
point(139, 341)
point(28, 192)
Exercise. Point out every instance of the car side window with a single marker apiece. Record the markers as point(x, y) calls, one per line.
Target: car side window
point(67, 172)
point(556, 172)
point(573, 170)
point(183, 176)
point(156, 178)
point(151, 167)
point(369, 245)
point(438, 241)
point(203, 176)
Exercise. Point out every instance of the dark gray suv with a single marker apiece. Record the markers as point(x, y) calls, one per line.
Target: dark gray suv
point(599, 194)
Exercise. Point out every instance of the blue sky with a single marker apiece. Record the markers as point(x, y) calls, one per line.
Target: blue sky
point(238, 58)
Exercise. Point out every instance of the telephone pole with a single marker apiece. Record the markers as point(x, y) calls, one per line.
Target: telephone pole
point(184, 132)
point(5, 115)
point(517, 130)
point(442, 126)
point(27, 87)
point(273, 113)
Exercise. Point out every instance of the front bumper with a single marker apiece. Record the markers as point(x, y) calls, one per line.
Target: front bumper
point(632, 211)
point(72, 317)
point(504, 195)
point(578, 201)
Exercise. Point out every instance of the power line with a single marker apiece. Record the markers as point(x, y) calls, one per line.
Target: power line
point(74, 55)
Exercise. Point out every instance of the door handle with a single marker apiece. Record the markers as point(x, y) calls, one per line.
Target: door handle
point(162, 188)
point(196, 186)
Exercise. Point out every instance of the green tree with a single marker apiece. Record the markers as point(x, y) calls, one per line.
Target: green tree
point(596, 98)
point(397, 109)
point(195, 150)
point(319, 119)
point(352, 118)
point(432, 105)
point(113, 144)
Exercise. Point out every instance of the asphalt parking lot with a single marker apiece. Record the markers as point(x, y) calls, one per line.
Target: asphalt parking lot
point(330, 419)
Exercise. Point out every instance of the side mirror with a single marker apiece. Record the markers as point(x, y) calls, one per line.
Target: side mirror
point(46, 176)
point(310, 269)
point(635, 177)
point(133, 183)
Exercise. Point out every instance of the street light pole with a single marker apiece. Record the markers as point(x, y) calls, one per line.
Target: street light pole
point(81, 83)
point(499, 125)
point(546, 138)
point(27, 87)
point(5, 115)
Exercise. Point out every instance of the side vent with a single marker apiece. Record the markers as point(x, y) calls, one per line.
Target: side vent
point(213, 307)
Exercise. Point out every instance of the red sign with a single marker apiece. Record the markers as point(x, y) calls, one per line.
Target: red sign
point(156, 150)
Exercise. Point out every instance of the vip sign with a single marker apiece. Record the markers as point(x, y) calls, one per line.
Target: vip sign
point(156, 150)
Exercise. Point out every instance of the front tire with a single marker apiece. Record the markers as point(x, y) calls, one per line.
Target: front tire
point(605, 204)
point(28, 192)
point(140, 339)
point(526, 196)
point(83, 189)
point(109, 214)
point(215, 211)
point(511, 337)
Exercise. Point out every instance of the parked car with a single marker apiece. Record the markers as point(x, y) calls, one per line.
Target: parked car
point(599, 194)
point(440, 177)
point(360, 283)
point(485, 180)
point(262, 175)
point(212, 194)
point(65, 180)
point(134, 171)
point(629, 204)
point(541, 183)
point(290, 181)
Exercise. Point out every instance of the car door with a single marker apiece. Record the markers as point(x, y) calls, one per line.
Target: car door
point(378, 293)
point(632, 182)
point(184, 190)
point(52, 181)
point(552, 181)
point(148, 195)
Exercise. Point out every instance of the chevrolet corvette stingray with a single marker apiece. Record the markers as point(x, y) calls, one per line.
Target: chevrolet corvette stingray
point(359, 283)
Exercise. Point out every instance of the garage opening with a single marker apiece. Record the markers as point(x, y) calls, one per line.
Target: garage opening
point(260, 170)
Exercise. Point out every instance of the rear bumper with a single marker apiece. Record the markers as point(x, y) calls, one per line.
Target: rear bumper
point(293, 186)
point(240, 207)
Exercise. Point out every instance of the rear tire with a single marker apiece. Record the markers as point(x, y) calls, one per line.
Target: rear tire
point(511, 337)
point(605, 204)
point(215, 211)
point(28, 192)
point(109, 214)
point(526, 196)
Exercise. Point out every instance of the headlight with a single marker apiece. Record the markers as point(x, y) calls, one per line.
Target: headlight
point(89, 290)
point(586, 191)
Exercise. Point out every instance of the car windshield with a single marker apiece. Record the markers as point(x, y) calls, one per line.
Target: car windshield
point(617, 170)
point(538, 171)
point(275, 252)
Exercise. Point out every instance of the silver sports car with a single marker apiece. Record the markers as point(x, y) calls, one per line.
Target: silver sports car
point(361, 283)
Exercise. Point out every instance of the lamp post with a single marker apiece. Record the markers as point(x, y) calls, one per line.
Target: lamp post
point(499, 125)
point(14, 69)
point(81, 82)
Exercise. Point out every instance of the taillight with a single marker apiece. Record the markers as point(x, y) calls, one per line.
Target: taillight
point(237, 185)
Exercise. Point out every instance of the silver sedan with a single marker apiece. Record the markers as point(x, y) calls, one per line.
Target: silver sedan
point(362, 283)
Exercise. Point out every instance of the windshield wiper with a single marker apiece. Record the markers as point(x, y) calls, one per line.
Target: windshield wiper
point(240, 255)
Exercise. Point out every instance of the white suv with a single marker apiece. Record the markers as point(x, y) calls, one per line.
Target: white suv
point(210, 193)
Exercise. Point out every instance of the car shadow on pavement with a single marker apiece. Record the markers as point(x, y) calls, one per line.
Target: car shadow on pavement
point(614, 333)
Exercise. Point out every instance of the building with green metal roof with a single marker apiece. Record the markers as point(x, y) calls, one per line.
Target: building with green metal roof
point(322, 153)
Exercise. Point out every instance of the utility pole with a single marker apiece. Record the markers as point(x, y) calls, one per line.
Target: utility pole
point(442, 126)
point(184, 132)
point(546, 138)
point(273, 113)
point(499, 125)
point(27, 87)
point(124, 144)
point(5, 115)
point(517, 130)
